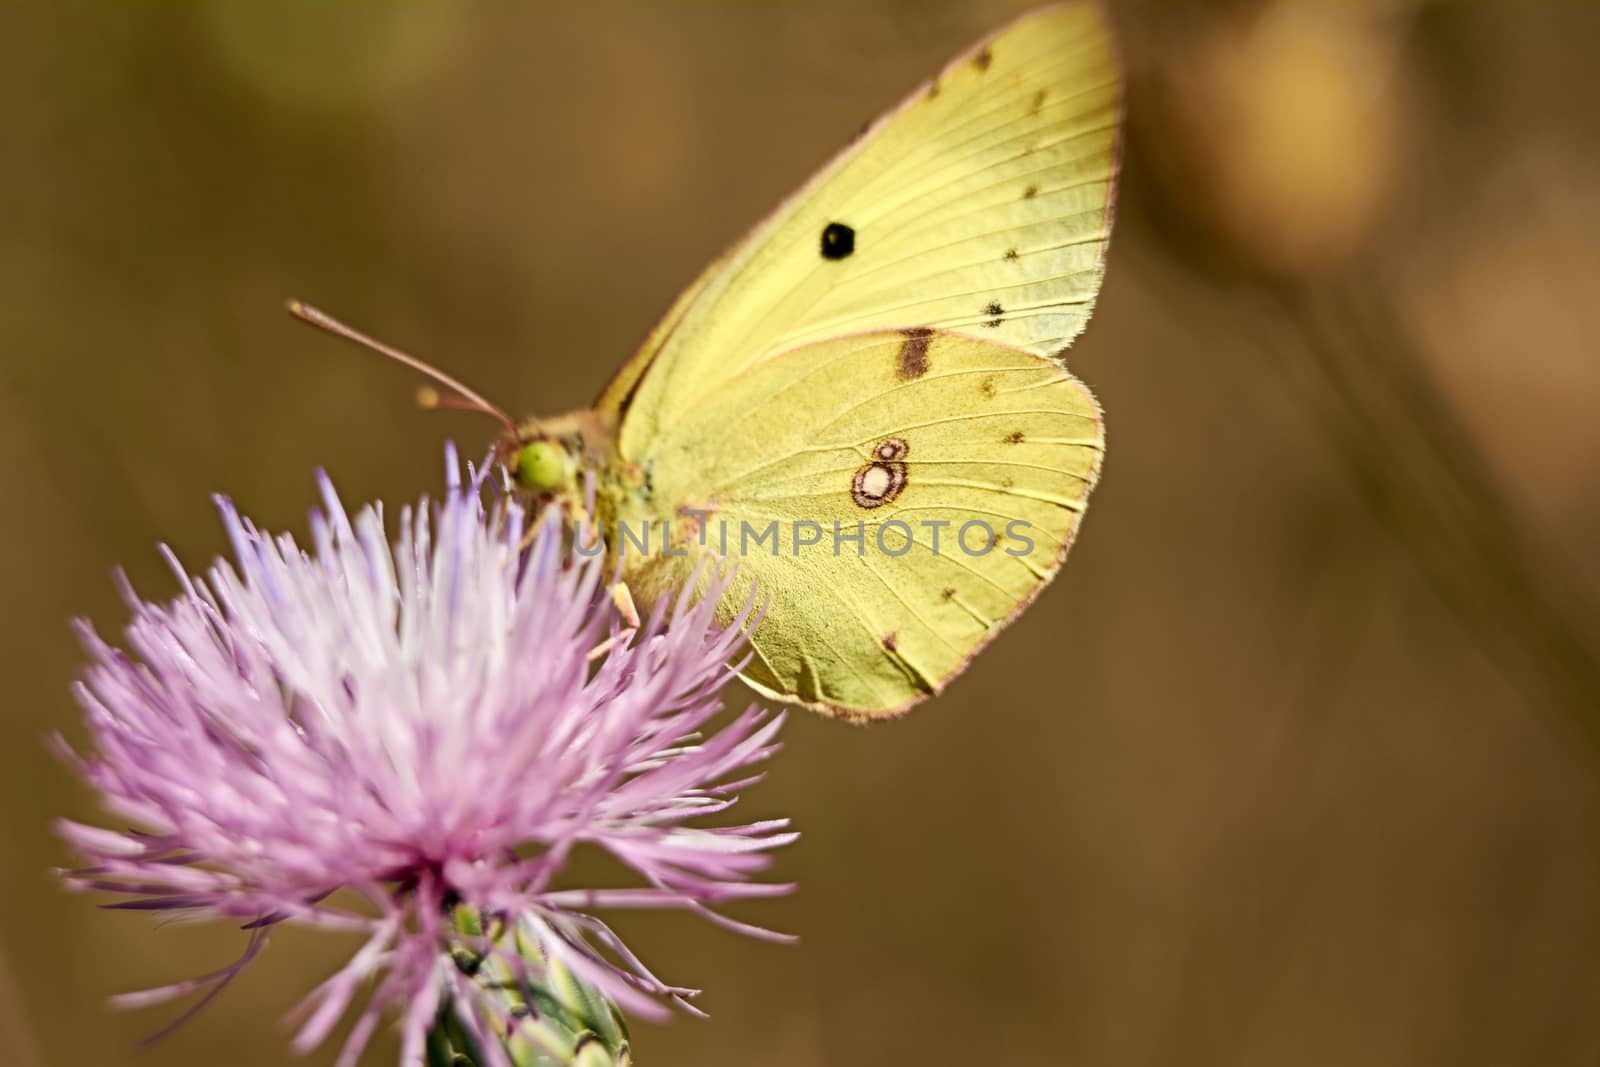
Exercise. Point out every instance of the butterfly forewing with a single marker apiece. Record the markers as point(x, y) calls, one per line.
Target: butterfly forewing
point(981, 204)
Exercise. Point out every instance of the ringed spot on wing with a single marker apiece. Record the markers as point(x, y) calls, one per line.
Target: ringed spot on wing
point(884, 477)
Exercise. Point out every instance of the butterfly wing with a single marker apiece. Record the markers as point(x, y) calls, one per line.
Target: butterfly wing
point(895, 496)
point(983, 203)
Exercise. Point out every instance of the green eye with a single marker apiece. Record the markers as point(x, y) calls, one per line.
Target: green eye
point(541, 466)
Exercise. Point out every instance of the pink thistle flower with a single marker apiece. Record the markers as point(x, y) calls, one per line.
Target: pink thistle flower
point(383, 739)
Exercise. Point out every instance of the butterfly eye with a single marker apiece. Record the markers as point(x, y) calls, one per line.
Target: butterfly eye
point(541, 467)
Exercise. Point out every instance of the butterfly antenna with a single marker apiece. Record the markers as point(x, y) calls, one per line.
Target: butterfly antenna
point(464, 399)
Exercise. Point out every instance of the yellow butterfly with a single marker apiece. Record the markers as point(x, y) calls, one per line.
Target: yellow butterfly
point(862, 402)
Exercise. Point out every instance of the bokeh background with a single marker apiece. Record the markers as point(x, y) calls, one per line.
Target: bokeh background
point(1294, 764)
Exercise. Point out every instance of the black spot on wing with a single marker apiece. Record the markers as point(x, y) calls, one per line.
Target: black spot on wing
point(996, 313)
point(983, 59)
point(838, 240)
point(1013, 438)
point(1030, 192)
point(1011, 255)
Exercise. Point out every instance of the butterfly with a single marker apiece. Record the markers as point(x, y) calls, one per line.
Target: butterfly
point(862, 403)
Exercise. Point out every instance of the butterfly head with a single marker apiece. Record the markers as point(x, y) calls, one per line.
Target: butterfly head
point(548, 458)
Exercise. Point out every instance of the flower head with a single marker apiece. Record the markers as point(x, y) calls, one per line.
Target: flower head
point(382, 738)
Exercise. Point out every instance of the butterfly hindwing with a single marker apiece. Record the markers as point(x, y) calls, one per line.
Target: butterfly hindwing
point(895, 496)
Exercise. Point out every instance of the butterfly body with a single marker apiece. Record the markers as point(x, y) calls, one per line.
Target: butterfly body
point(862, 404)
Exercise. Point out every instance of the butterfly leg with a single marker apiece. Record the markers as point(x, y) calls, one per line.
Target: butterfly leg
point(582, 526)
point(623, 600)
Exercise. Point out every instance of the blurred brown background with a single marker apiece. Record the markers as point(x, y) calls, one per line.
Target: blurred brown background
point(1292, 766)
